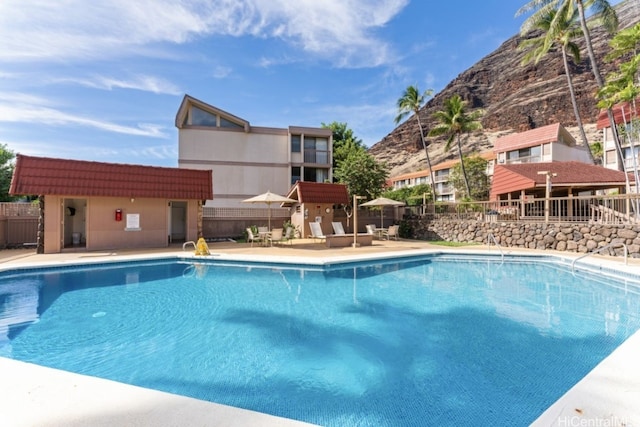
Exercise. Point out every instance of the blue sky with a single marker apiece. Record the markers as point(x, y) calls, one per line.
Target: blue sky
point(102, 80)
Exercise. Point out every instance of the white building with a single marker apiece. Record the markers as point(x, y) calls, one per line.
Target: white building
point(629, 139)
point(247, 160)
point(551, 143)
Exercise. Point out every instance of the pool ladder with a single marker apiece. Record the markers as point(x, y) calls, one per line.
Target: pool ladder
point(598, 250)
point(491, 237)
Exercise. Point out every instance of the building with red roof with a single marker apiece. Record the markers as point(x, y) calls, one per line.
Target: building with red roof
point(316, 202)
point(97, 206)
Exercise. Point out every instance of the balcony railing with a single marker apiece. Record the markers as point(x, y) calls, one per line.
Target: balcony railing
point(619, 209)
point(526, 159)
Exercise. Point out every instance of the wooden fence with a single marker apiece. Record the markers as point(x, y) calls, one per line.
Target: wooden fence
point(18, 224)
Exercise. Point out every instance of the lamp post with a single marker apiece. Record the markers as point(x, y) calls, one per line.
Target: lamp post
point(355, 219)
point(547, 192)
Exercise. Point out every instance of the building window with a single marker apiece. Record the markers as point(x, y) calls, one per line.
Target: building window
point(224, 123)
point(610, 158)
point(316, 174)
point(295, 174)
point(316, 150)
point(202, 118)
point(629, 157)
point(295, 144)
point(525, 155)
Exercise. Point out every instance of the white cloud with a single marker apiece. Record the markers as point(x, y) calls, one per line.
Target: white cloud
point(342, 31)
point(15, 108)
point(142, 83)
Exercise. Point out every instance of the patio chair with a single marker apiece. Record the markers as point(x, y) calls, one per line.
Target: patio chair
point(391, 232)
point(316, 231)
point(371, 229)
point(276, 236)
point(252, 237)
point(288, 235)
point(338, 228)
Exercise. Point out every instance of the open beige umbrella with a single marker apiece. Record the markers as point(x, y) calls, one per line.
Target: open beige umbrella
point(269, 198)
point(382, 202)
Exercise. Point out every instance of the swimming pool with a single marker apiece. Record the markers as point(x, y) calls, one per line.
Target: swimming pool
point(416, 341)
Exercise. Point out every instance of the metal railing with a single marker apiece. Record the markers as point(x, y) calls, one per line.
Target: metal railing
point(490, 238)
point(598, 250)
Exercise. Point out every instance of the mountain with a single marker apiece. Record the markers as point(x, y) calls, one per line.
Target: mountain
point(514, 98)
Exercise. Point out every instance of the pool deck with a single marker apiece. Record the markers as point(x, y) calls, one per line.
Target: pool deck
point(32, 395)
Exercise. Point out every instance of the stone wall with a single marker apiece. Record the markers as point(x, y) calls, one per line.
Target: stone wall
point(528, 235)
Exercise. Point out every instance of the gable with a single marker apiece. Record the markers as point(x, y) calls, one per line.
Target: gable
point(193, 112)
point(319, 192)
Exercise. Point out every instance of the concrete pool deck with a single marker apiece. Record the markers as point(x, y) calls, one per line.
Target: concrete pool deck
point(32, 395)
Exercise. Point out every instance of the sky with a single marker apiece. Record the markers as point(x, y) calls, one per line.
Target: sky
point(102, 80)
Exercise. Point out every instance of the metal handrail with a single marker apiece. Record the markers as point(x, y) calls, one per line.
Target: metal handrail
point(190, 242)
point(597, 250)
point(490, 237)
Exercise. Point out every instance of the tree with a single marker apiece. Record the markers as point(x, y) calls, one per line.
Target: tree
point(606, 15)
point(453, 121)
point(410, 102)
point(344, 142)
point(476, 168)
point(412, 196)
point(362, 174)
point(621, 85)
point(561, 35)
point(6, 172)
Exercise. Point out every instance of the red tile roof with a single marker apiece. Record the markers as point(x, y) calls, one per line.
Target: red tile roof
point(528, 138)
point(319, 192)
point(48, 176)
point(603, 118)
point(524, 176)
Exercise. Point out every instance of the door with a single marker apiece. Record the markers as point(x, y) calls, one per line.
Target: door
point(178, 222)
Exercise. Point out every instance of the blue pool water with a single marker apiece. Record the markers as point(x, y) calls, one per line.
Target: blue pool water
point(421, 341)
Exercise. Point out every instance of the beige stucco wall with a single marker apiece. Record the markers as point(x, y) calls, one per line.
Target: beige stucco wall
point(102, 231)
point(243, 164)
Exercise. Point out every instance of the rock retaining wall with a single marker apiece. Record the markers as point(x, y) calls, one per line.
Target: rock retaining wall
point(560, 237)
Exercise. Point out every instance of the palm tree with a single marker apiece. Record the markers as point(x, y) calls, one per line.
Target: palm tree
point(562, 36)
point(410, 102)
point(609, 19)
point(453, 122)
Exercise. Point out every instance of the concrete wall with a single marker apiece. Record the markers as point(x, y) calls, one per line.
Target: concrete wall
point(579, 238)
point(243, 164)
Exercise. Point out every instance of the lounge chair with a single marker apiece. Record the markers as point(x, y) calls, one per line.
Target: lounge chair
point(391, 232)
point(316, 231)
point(252, 237)
point(338, 228)
point(276, 236)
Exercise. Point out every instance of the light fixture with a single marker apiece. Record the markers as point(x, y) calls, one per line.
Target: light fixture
point(133, 200)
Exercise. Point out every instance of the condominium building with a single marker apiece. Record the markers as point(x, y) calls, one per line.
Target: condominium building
point(247, 160)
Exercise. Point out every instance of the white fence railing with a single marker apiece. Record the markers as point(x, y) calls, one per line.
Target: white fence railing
point(619, 209)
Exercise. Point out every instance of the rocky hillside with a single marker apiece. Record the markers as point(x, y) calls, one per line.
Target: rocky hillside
point(515, 98)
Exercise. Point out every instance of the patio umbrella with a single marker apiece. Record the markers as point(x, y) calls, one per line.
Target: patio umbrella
point(382, 202)
point(269, 198)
